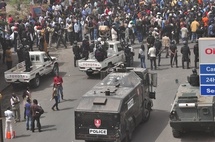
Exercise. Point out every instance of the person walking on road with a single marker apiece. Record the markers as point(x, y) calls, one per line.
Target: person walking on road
point(28, 113)
point(142, 56)
point(152, 57)
point(55, 97)
point(158, 46)
point(173, 54)
point(26, 95)
point(15, 103)
point(9, 122)
point(35, 114)
point(58, 81)
point(166, 43)
point(185, 51)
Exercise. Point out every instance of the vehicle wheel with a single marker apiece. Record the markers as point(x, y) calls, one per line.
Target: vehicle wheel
point(55, 70)
point(89, 74)
point(36, 81)
point(176, 133)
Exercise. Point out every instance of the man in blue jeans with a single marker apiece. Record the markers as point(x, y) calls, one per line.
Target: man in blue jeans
point(58, 81)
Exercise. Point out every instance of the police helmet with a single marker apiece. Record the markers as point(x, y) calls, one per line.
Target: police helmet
point(194, 71)
point(75, 42)
point(184, 42)
point(172, 42)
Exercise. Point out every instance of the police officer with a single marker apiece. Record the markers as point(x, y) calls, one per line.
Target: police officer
point(60, 36)
point(92, 45)
point(27, 61)
point(185, 51)
point(158, 46)
point(76, 52)
point(127, 56)
point(196, 53)
point(150, 41)
point(173, 54)
point(193, 79)
point(85, 47)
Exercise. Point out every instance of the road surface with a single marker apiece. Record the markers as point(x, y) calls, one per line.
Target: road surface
point(59, 125)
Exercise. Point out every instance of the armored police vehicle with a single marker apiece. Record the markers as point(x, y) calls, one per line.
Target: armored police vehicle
point(190, 110)
point(112, 109)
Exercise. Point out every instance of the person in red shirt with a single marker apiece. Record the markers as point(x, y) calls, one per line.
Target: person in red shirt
point(10, 19)
point(58, 81)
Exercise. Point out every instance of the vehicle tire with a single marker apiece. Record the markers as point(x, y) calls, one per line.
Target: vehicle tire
point(55, 70)
point(36, 81)
point(176, 133)
point(89, 74)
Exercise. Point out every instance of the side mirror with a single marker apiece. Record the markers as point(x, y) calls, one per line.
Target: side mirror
point(152, 95)
point(154, 79)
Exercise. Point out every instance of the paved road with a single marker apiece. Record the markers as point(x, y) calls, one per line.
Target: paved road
point(59, 125)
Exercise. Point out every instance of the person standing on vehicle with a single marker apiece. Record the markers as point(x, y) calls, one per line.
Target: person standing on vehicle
point(58, 81)
point(152, 56)
point(76, 52)
point(35, 115)
point(142, 57)
point(185, 51)
point(15, 102)
point(127, 52)
point(85, 47)
point(196, 53)
point(27, 110)
point(55, 97)
point(8, 58)
point(173, 54)
point(166, 43)
point(158, 46)
point(9, 122)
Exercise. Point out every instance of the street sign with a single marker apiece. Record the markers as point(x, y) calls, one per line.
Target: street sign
point(207, 66)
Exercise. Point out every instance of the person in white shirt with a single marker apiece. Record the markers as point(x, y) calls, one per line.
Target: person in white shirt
point(142, 57)
point(9, 122)
point(184, 33)
point(15, 103)
point(152, 56)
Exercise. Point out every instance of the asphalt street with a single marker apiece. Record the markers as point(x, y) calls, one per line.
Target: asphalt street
point(59, 125)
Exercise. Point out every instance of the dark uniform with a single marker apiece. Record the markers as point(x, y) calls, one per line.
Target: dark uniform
point(60, 37)
point(27, 61)
point(76, 52)
point(85, 48)
point(173, 54)
point(158, 46)
point(196, 53)
point(128, 56)
point(185, 51)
